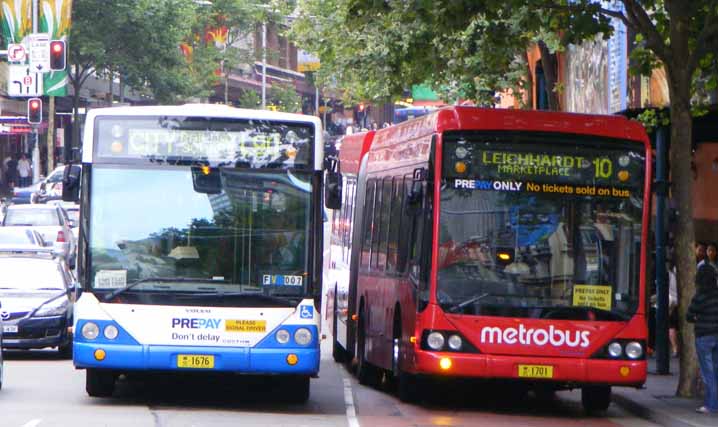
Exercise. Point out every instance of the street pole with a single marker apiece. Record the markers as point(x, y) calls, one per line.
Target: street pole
point(264, 65)
point(51, 135)
point(661, 327)
point(316, 99)
point(36, 145)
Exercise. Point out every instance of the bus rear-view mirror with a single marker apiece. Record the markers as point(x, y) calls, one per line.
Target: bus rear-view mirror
point(71, 183)
point(416, 193)
point(332, 185)
point(206, 180)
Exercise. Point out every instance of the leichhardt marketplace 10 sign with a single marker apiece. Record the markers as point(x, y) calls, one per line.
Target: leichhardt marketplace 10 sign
point(590, 172)
point(251, 143)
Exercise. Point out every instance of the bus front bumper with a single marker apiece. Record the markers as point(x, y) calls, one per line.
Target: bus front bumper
point(244, 360)
point(563, 370)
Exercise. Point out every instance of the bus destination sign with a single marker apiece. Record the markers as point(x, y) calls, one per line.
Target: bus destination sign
point(251, 144)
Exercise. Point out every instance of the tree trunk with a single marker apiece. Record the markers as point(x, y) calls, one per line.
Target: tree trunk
point(549, 62)
point(682, 191)
point(530, 84)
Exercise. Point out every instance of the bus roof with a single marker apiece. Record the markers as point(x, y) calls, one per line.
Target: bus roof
point(353, 148)
point(417, 133)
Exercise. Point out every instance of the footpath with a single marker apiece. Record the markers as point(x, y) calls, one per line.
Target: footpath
point(658, 403)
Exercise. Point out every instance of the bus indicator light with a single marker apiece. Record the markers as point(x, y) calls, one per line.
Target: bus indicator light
point(460, 167)
point(292, 359)
point(445, 363)
point(205, 170)
point(624, 371)
point(100, 354)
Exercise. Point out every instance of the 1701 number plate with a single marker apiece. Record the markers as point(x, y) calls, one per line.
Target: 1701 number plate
point(535, 371)
point(196, 361)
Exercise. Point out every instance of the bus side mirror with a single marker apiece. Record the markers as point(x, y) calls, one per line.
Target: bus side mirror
point(71, 183)
point(206, 180)
point(416, 194)
point(333, 185)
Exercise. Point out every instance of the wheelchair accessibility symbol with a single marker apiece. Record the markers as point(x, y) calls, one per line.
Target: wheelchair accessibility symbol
point(306, 312)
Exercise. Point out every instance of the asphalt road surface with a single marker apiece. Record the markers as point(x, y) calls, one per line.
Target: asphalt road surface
point(41, 390)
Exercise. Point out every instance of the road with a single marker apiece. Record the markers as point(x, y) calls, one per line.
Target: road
point(41, 390)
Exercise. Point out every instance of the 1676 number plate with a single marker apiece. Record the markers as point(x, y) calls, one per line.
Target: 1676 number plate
point(197, 361)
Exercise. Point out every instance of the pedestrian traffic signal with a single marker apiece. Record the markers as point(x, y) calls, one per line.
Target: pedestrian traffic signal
point(34, 111)
point(57, 55)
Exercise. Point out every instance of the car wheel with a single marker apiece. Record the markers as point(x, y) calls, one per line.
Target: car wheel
point(99, 382)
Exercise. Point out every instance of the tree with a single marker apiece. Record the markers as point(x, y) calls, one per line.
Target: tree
point(470, 48)
point(139, 41)
point(284, 96)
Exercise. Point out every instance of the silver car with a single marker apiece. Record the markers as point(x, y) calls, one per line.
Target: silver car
point(21, 236)
point(51, 221)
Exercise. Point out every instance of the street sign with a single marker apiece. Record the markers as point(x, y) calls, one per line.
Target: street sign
point(23, 82)
point(16, 53)
point(39, 46)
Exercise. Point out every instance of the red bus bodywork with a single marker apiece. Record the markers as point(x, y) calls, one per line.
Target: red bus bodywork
point(566, 345)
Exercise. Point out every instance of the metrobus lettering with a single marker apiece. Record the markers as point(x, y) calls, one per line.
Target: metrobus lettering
point(535, 336)
point(194, 323)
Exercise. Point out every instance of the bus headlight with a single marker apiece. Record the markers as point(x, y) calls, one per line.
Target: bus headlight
point(90, 331)
point(634, 350)
point(282, 336)
point(302, 336)
point(455, 342)
point(615, 349)
point(111, 332)
point(435, 341)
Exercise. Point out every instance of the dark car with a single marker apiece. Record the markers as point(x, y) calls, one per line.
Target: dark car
point(35, 298)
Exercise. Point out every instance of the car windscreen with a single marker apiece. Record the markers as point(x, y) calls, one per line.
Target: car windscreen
point(540, 227)
point(12, 236)
point(28, 273)
point(32, 217)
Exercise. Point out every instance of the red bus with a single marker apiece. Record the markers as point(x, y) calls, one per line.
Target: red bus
point(496, 244)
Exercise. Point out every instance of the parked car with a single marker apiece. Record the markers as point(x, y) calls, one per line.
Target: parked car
point(73, 213)
point(23, 195)
point(21, 236)
point(50, 220)
point(37, 300)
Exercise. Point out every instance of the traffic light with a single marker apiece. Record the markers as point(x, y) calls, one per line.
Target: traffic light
point(57, 55)
point(34, 111)
point(361, 108)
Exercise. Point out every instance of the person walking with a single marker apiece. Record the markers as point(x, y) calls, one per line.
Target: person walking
point(11, 173)
point(24, 170)
point(703, 312)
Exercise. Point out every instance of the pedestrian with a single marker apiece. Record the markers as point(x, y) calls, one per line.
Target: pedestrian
point(703, 311)
point(24, 171)
point(700, 252)
point(711, 256)
point(673, 310)
point(11, 173)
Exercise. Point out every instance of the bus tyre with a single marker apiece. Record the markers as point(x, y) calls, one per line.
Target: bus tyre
point(297, 390)
point(99, 383)
point(365, 372)
point(338, 353)
point(595, 398)
point(65, 351)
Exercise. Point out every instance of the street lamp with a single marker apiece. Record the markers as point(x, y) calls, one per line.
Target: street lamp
point(264, 64)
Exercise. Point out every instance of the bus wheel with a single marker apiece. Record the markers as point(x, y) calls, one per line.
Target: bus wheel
point(99, 382)
point(407, 387)
point(365, 372)
point(297, 389)
point(338, 353)
point(595, 398)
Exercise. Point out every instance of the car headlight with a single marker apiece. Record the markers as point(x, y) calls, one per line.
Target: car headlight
point(615, 349)
point(111, 332)
point(435, 340)
point(282, 336)
point(303, 336)
point(455, 342)
point(634, 350)
point(56, 307)
point(90, 330)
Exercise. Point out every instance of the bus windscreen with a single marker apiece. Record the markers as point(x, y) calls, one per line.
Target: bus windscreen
point(540, 227)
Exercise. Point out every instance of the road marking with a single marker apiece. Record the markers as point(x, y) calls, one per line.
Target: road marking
point(349, 402)
point(33, 423)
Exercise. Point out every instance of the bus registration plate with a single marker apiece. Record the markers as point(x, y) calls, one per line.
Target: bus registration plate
point(197, 361)
point(535, 371)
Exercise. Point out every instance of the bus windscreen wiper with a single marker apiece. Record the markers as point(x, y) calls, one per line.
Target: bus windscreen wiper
point(159, 280)
point(454, 308)
point(281, 299)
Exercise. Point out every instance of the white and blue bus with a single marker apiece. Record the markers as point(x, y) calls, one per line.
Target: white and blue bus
point(200, 244)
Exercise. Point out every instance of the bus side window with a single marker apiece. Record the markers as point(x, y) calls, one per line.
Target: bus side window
point(386, 220)
point(376, 225)
point(397, 195)
point(418, 230)
point(405, 228)
point(369, 205)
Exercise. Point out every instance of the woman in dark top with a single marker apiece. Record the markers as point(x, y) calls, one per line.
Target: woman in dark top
point(703, 311)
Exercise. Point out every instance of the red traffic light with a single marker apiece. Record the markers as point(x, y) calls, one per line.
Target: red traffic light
point(34, 111)
point(361, 107)
point(57, 55)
